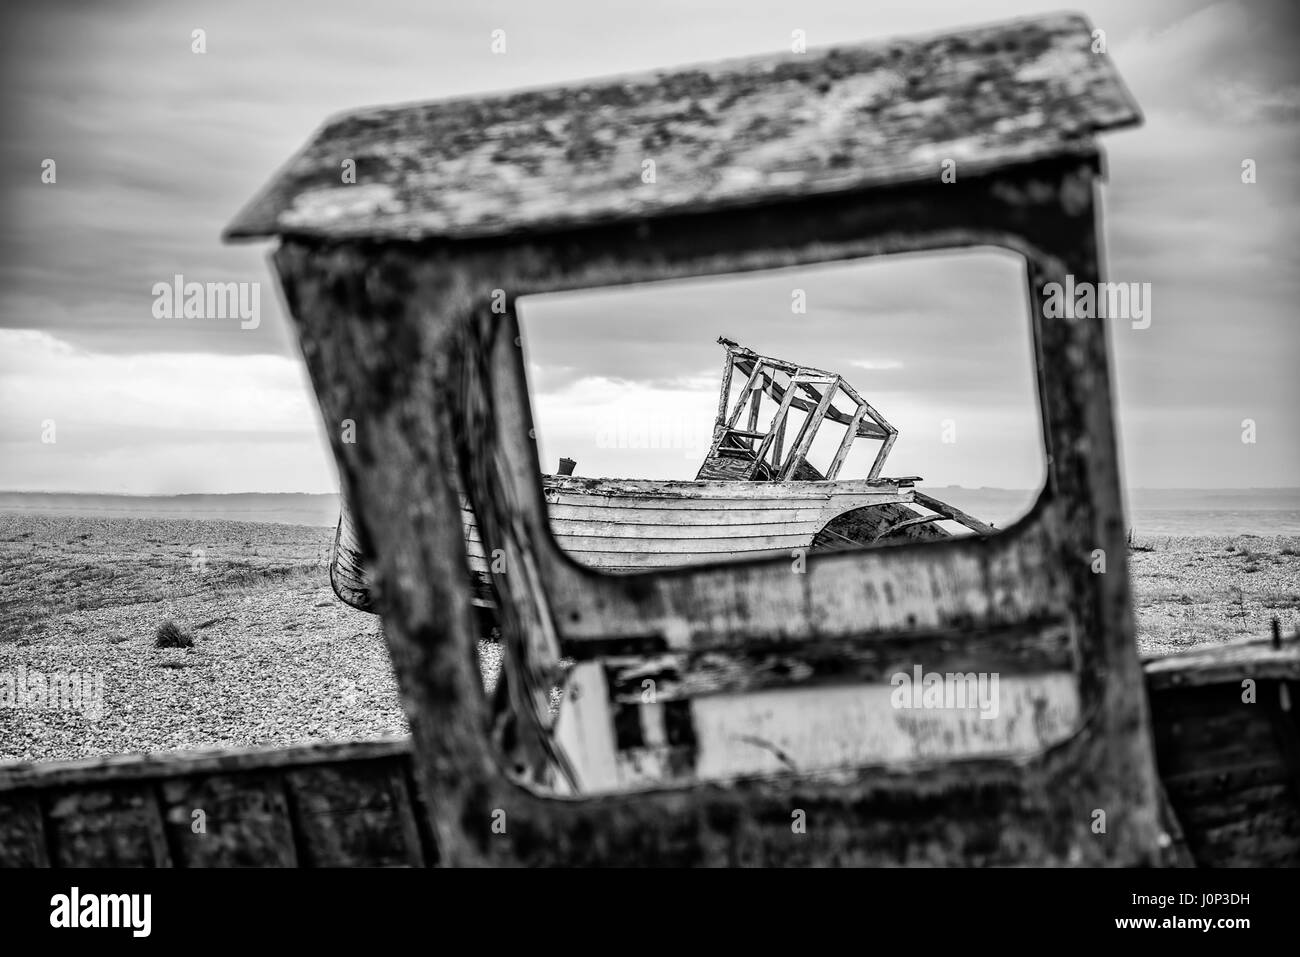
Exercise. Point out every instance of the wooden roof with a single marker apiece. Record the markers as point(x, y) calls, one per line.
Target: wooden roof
point(737, 133)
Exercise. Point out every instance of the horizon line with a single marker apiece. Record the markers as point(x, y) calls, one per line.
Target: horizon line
point(968, 488)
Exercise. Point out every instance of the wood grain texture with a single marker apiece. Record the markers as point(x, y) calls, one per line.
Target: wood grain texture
point(1229, 764)
point(1232, 801)
point(1228, 663)
point(311, 806)
point(742, 133)
point(401, 337)
point(404, 336)
point(634, 524)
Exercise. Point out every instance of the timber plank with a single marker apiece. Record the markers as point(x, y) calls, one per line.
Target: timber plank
point(354, 816)
point(739, 133)
point(22, 831)
point(242, 820)
point(117, 826)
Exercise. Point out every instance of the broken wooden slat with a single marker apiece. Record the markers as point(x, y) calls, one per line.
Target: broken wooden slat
point(1224, 760)
point(807, 432)
point(951, 513)
point(1228, 663)
point(762, 130)
point(123, 768)
point(846, 443)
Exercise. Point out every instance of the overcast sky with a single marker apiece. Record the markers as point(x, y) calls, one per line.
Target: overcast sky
point(157, 147)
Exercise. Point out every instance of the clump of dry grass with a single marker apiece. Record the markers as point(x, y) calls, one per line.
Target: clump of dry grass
point(169, 635)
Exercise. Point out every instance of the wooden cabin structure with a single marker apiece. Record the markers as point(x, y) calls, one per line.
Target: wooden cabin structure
point(394, 283)
point(751, 455)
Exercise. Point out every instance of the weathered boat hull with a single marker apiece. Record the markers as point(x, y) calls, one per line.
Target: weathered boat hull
point(629, 525)
point(1227, 767)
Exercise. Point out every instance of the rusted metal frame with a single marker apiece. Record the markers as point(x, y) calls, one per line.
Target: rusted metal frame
point(341, 298)
point(807, 433)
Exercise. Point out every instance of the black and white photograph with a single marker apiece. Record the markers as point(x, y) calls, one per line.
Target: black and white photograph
point(690, 434)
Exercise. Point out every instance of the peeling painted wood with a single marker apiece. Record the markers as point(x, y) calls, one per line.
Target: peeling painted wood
point(803, 730)
point(1228, 663)
point(741, 133)
point(634, 524)
point(458, 395)
point(1232, 795)
point(401, 336)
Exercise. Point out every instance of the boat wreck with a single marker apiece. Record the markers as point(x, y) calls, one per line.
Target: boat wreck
point(770, 693)
point(754, 495)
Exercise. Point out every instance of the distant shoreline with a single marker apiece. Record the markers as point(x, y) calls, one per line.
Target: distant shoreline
point(1180, 512)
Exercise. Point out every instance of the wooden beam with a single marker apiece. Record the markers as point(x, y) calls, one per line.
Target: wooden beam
point(754, 404)
point(851, 118)
point(750, 384)
point(807, 432)
point(949, 512)
point(879, 462)
point(906, 523)
point(777, 432)
point(727, 365)
point(846, 443)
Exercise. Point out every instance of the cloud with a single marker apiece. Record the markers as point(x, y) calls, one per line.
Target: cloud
point(155, 422)
point(150, 172)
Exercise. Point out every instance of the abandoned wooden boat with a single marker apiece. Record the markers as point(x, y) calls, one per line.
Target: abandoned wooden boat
point(784, 160)
point(753, 496)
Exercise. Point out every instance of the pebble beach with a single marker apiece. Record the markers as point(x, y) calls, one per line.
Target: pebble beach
point(274, 658)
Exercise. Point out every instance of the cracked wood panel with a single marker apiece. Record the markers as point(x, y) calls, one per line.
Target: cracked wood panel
point(310, 806)
point(1231, 767)
point(403, 339)
point(740, 133)
point(628, 524)
point(1227, 663)
point(831, 728)
point(1236, 798)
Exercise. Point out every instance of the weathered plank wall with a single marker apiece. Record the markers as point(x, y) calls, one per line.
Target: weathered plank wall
point(397, 285)
point(1224, 763)
point(404, 338)
point(347, 804)
point(1227, 732)
point(726, 135)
